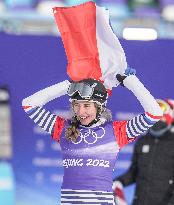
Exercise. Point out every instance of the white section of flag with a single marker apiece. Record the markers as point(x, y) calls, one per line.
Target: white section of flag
point(111, 54)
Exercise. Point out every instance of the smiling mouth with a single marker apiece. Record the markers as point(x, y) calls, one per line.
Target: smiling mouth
point(83, 118)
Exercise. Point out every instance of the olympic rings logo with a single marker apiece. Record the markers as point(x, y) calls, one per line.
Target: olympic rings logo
point(90, 137)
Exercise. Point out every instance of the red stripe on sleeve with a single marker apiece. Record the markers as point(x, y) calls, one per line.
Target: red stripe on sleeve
point(154, 117)
point(120, 133)
point(25, 107)
point(58, 127)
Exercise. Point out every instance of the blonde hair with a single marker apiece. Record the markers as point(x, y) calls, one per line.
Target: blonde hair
point(73, 132)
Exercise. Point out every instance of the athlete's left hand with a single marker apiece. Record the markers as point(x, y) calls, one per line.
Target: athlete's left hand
point(129, 71)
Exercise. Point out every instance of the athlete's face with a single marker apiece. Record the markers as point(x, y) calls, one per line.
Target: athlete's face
point(85, 111)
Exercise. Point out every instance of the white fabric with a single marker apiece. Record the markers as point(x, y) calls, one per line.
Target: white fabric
point(44, 96)
point(111, 54)
point(148, 102)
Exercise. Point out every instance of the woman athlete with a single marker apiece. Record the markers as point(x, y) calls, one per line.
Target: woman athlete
point(90, 140)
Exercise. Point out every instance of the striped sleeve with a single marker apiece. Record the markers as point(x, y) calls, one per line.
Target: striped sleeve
point(140, 124)
point(43, 118)
point(126, 131)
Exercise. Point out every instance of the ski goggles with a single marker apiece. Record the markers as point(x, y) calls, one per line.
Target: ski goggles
point(84, 90)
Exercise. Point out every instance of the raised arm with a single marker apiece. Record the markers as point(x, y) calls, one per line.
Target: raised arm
point(126, 131)
point(153, 113)
point(33, 106)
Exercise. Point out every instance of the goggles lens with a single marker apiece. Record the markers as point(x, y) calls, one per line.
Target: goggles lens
point(84, 90)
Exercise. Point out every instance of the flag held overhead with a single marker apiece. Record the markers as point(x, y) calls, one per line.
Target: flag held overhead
point(92, 49)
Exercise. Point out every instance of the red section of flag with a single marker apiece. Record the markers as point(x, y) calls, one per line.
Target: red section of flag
point(109, 92)
point(77, 26)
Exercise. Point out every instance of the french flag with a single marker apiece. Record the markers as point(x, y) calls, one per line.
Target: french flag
point(92, 49)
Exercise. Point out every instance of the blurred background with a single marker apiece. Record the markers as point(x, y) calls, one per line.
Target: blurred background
point(156, 17)
point(32, 57)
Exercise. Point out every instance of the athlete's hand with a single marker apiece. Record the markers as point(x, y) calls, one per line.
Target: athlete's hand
point(128, 71)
